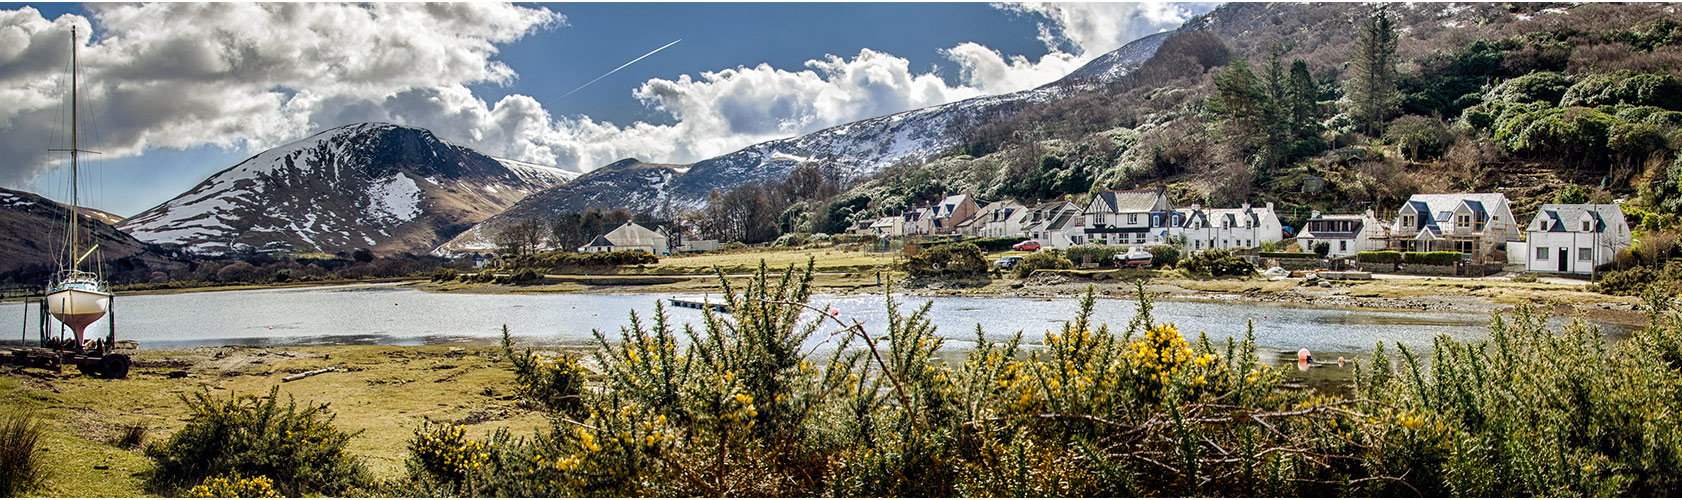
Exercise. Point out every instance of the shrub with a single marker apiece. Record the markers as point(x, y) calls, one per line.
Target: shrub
point(444, 274)
point(1432, 258)
point(234, 486)
point(1098, 254)
point(1164, 255)
point(951, 259)
point(441, 452)
point(1379, 257)
point(995, 244)
point(552, 384)
point(525, 276)
point(21, 464)
point(296, 447)
point(1323, 249)
point(1217, 262)
point(1041, 260)
point(563, 262)
point(131, 436)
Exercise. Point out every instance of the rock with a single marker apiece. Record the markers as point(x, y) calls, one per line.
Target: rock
point(177, 374)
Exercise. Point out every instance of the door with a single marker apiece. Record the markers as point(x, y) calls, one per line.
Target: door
point(1564, 261)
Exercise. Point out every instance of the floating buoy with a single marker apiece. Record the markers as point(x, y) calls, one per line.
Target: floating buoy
point(1303, 356)
point(834, 312)
point(1340, 361)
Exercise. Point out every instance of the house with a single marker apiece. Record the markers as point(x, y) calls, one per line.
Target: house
point(918, 220)
point(1055, 225)
point(950, 212)
point(1346, 234)
point(630, 236)
point(1129, 217)
point(1001, 219)
point(888, 227)
point(1247, 226)
point(1475, 224)
point(1575, 238)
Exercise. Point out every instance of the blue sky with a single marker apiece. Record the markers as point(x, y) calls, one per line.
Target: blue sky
point(177, 92)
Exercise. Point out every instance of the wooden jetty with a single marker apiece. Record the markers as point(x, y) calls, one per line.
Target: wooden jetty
point(719, 307)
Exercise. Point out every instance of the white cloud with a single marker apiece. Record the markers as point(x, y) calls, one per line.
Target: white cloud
point(182, 75)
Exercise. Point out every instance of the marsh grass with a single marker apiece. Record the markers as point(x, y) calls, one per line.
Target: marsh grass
point(22, 464)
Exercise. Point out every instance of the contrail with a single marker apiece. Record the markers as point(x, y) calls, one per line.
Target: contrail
point(622, 66)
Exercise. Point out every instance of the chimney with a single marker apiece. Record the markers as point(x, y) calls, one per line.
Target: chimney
point(1195, 206)
point(1270, 206)
point(1312, 215)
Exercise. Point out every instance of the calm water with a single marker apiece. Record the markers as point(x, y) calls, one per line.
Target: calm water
point(385, 314)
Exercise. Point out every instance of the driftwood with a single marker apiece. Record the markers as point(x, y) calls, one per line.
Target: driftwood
point(310, 373)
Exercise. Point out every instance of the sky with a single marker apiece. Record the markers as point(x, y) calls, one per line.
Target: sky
point(172, 93)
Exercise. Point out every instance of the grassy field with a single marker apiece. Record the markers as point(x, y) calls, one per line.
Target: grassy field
point(384, 391)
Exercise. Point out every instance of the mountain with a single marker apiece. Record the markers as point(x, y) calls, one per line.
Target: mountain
point(851, 151)
point(34, 227)
point(383, 187)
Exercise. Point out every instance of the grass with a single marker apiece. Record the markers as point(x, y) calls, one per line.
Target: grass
point(385, 391)
point(21, 462)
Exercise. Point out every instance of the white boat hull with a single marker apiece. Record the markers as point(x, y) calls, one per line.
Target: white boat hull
point(78, 308)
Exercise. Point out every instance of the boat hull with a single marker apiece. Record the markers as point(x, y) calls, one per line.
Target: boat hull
point(78, 308)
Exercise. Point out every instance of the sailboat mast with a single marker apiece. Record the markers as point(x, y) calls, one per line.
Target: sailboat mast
point(75, 182)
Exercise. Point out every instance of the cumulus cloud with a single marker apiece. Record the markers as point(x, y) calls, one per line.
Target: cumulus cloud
point(183, 75)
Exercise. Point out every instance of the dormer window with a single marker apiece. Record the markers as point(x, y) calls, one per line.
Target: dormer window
point(1585, 226)
point(1132, 219)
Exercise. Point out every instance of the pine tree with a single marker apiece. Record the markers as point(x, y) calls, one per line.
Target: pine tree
point(1276, 127)
point(1372, 73)
point(1304, 102)
point(1238, 101)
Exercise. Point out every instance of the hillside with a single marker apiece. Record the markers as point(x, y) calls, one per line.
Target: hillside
point(1516, 98)
point(35, 232)
point(383, 187)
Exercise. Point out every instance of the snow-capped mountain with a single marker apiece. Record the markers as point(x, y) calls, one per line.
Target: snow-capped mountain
point(853, 151)
point(383, 187)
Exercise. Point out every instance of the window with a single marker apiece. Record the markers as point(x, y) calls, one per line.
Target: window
point(1223, 243)
point(1139, 238)
point(1407, 222)
point(1132, 218)
point(1541, 253)
point(1585, 226)
point(1585, 253)
point(1464, 220)
point(1343, 246)
point(1098, 218)
point(1197, 244)
point(1156, 220)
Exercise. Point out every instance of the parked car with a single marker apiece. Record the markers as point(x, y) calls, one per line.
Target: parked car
point(1007, 263)
point(1026, 246)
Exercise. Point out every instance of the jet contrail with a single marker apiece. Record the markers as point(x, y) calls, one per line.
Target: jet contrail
point(622, 66)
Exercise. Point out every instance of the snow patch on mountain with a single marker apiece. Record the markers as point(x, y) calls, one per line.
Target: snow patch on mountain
point(396, 199)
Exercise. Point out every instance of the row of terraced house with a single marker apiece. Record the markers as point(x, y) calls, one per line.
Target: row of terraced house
point(1560, 238)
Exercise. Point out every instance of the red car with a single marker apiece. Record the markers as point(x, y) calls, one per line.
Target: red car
point(1026, 246)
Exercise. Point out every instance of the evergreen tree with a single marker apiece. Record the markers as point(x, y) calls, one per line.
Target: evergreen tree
point(1372, 73)
point(1239, 101)
point(1304, 102)
point(1276, 127)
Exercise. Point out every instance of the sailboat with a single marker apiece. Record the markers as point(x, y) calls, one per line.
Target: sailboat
point(76, 298)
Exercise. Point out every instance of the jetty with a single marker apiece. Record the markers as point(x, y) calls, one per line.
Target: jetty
point(719, 307)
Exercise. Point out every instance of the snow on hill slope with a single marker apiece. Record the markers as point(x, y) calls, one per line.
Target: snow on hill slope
point(852, 151)
point(35, 232)
point(383, 187)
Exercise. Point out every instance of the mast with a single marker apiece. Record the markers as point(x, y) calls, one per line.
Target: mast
point(75, 183)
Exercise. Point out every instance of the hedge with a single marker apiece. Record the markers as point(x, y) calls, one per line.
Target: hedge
point(1381, 257)
point(1100, 254)
point(996, 244)
point(1432, 258)
point(563, 261)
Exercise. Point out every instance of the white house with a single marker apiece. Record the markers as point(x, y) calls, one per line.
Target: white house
point(1575, 238)
point(1346, 234)
point(1247, 226)
point(1000, 219)
point(630, 236)
point(1055, 225)
point(1475, 224)
point(892, 226)
point(918, 220)
point(1129, 217)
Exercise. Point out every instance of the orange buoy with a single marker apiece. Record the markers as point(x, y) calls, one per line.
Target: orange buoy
point(1303, 356)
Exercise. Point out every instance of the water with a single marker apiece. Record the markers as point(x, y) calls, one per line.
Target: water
point(394, 315)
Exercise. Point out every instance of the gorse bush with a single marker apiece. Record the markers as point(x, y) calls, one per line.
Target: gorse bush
point(781, 399)
point(1217, 262)
point(22, 464)
point(234, 486)
point(295, 447)
point(1041, 260)
point(951, 259)
point(568, 261)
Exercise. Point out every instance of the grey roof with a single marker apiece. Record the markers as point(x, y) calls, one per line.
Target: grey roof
point(1129, 201)
point(1560, 218)
point(631, 234)
point(1433, 207)
point(600, 241)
